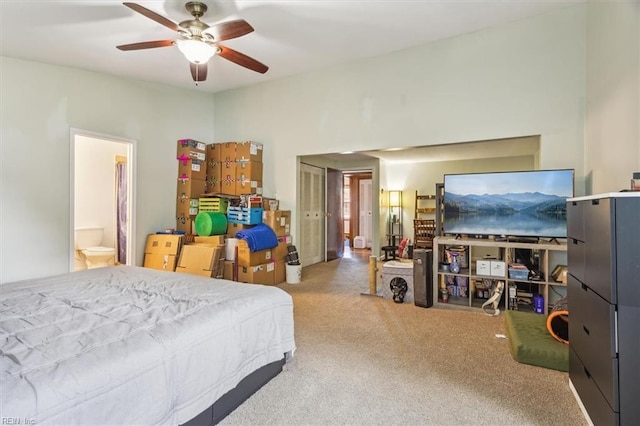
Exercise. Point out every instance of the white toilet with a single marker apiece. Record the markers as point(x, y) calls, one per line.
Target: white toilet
point(89, 253)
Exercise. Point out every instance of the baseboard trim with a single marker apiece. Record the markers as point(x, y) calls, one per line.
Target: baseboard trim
point(580, 404)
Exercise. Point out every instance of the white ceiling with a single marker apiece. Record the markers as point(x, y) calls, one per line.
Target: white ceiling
point(290, 36)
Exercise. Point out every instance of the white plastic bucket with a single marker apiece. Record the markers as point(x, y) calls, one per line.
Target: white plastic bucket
point(294, 273)
point(230, 249)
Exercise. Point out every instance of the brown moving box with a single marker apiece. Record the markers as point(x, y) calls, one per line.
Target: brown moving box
point(191, 188)
point(229, 267)
point(233, 228)
point(192, 149)
point(187, 207)
point(247, 257)
point(228, 152)
point(193, 169)
point(280, 251)
point(161, 251)
point(278, 220)
point(228, 180)
point(212, 240)
point(248, 151)
point(249, 170)
point(186, 224)
point(247, 187)
point(214, 184)
point(213, 153)
point(280, 274)
point(258, 274)
point(203, 260)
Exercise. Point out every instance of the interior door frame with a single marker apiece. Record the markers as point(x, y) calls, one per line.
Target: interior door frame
point(333, 217)
point(131, 190)
point(354, 196)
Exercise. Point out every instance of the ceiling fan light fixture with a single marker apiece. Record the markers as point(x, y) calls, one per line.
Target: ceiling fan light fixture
point(196, 51)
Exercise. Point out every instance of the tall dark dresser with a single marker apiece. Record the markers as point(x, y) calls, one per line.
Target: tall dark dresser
point(603, 251)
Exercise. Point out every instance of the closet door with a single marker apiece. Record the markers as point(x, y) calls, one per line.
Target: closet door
point(311, 248)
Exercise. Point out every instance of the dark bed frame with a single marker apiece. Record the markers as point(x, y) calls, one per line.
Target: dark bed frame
point(236, 396)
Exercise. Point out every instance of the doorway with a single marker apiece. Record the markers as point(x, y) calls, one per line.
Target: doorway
point(358, 208)
point(103, 192)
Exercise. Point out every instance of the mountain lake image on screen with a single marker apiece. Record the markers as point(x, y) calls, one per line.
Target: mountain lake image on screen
point(526, 203)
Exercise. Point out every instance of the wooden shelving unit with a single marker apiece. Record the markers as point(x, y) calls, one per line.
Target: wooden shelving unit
point(424, 224)
point(469, 281)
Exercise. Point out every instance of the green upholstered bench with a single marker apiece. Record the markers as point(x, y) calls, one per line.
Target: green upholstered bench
point(531, 343)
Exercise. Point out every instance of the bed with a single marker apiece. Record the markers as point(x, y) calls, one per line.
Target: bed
point(131, 345)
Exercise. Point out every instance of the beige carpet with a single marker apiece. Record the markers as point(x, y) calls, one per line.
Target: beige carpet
point(364, 360)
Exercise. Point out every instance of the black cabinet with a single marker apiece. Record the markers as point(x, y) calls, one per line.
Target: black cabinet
point(604, 305)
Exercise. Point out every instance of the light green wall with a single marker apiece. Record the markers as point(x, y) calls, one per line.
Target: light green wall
point(39, 104)
point(522, 78)
point(612, 143)
point(517, 79)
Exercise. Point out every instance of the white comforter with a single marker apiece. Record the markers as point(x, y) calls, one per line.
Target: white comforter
point(128, 345)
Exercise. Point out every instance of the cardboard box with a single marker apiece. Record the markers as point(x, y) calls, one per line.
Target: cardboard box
point(161, 251)
point(213, 240)
point(280, 274)
point(189, 148)
point(247, 187)
point(258, 274)
point(278, 220)
point(228, 152)
point(483, 267)
point(203, 260)
point(270, 204)
point(498, 268)
point(247, 257)
point(233, 228)
point(248, 151)
point(187, 207)
point(249, 170)
point(280, 251)
point(214, 184)
point(191, 188)
point(229, 268)
point(186, 224)
point(192, 169)
point(214, 154)
point(228, 181)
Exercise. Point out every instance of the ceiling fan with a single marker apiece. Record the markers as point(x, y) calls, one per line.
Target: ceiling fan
point(198, 41)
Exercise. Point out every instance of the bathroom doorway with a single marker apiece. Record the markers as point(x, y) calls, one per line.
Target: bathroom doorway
point(102, 193)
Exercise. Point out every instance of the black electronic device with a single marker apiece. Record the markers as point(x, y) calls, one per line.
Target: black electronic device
point(423, 277)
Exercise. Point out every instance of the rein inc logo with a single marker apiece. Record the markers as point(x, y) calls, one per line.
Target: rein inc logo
point(16, 421)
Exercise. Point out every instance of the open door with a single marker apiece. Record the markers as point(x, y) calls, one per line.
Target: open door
point(333, 216)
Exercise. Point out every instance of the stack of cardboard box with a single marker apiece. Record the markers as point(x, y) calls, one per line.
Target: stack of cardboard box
point(169, 252)
point(234, 168)
point(192, 183)
point(225, 173)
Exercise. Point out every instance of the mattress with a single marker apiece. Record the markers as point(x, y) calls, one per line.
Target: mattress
point(130, 345)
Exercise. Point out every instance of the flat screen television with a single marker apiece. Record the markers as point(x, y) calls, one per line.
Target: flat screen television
point(511, 204)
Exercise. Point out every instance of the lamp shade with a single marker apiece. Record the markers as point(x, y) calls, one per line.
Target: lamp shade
point(395, 198)
point(197, 52)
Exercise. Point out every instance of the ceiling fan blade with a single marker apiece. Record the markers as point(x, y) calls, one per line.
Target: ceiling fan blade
point(153, 16)
point(146, 45)
point(198, 71)
point(229, 30)
point(242, 59)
